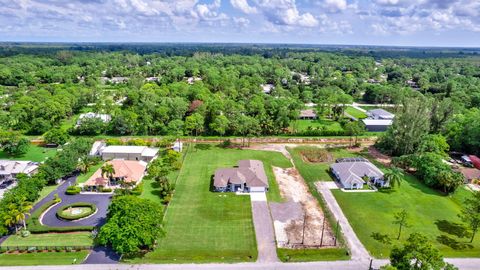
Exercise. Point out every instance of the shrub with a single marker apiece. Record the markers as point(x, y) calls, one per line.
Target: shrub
point(73, 190)
point(106, 190)
point(137, 191)
point(25, 233)
point(66, 216)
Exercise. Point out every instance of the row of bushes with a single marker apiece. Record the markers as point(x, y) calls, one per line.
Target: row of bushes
point(320, 132)
point(163, 143)
point(34, 225)
point(33, 249)
point(65, 216)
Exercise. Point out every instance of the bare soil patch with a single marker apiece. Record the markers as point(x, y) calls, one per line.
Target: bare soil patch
point(315, 155)
point(382, 158)
point(302, 227)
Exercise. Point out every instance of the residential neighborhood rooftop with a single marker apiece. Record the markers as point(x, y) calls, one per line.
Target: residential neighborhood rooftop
point(249, 172)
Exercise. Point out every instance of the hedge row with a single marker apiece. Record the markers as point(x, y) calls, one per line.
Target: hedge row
point(61, 215)
point(34, 225)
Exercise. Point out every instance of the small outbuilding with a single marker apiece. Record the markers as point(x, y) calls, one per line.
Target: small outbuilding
point(308, 114)
point(377, 124)
point(380, 114)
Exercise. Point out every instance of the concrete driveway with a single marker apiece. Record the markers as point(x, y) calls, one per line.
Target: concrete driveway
point(264, 233)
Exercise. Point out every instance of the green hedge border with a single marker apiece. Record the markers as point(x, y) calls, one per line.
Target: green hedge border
point(93, 209)
point(34, 225)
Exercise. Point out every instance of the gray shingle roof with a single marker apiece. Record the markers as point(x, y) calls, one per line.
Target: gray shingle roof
point(249, 172)
point(352, 172)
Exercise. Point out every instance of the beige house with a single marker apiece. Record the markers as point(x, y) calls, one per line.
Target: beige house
point(125, 171)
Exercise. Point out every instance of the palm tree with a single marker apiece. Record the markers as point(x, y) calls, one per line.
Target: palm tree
point(394, 176)
point(18, 213)
point(84, 164)
point(108, 170)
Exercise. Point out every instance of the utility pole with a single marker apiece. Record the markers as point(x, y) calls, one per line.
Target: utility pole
point(303, 230)
point(336, 234)
point(323, 230)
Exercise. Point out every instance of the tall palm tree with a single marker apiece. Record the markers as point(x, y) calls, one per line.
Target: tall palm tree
point(84, 164)
point(394, 176)
point(108, 170)
point(18, 213)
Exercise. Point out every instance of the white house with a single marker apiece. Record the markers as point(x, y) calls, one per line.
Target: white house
point(351, 173)
point(126, 152)
point(10, 168)
point(90, 115)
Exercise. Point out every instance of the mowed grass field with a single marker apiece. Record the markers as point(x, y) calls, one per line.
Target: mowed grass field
point(35, 153)
point(355, 113)
point(50, 239)
point(50, 258)
point(82, 178)
point(205, 226)
point(430, 212)
point(327, 124)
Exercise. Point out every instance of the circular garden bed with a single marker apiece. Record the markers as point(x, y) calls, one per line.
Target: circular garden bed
point(76, 211)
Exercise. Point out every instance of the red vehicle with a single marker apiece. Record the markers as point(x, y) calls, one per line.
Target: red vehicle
point(475, 161)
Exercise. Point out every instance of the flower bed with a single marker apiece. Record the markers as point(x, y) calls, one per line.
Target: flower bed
point(76, 211)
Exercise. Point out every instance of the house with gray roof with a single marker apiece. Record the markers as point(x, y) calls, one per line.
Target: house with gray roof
point(380, 114)
point(351, 174)
point(308, 114)
point(248, 176)
point(9, 169)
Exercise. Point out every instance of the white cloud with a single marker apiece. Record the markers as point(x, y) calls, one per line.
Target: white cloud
point(244, 6)
point(335, 5)
point(285, 12)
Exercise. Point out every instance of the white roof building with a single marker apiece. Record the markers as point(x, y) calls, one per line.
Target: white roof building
point(10, 168)
point(377, 124)
point(127, 152)
point(90, 115)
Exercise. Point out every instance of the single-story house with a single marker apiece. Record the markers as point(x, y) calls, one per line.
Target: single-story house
point(470, 174)
point(90, 115)
point(380, 114)
point(351, 174)
point(377, 124)
point(249, 176)
point(308, 114)
point(125, 171)
point(127, 152)
point(10, 168)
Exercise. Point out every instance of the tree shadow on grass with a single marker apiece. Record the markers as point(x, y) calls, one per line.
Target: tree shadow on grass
point(203, 146)
point(155, 185)
point(452, 228)
point(387, 190)
point(453, 243)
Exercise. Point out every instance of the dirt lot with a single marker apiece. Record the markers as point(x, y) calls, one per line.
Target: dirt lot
point(304, 219)
point(382, 158)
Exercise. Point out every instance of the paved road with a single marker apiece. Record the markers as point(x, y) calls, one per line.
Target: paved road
point(262, 221)
point(462, 264)
point(102, 255)
point(357, 250)
point(100, 200)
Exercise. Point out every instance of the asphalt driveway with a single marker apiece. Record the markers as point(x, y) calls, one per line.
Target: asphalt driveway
point(102, 201)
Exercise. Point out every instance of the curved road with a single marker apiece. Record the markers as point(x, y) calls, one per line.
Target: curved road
point(100, 200)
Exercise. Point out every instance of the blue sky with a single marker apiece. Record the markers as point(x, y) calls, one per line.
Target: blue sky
point(376, 22)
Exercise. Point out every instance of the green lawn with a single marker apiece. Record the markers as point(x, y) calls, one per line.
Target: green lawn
point(82, 178)
point(355, 113)
point(313, 172)
point(150, 191)
point(204, 226)
point(35, 153)
point(431, 213)
point(327, 124)
point(51, 239)
point(50, 258)
point(45, 192)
